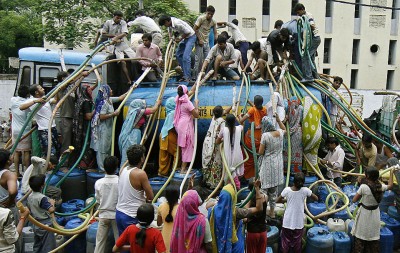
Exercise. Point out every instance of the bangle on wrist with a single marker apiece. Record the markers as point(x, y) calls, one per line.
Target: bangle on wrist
point(22, 218)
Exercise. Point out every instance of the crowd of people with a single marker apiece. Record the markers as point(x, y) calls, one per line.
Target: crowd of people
point(189, 224)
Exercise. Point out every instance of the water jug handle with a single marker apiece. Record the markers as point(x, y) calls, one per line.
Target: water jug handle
point(311, 235)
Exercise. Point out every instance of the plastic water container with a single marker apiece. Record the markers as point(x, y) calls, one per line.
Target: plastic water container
point(74, 186)
point(386, 240)
point(341, 242)
point(321, 226)
point(319, 240)
point(316, 208)
point(341, 215)
point(387, 200)
point(156, 183)
point(178, 178)
point(392, 211)
point(394, 226)
point(61, 220)
point(91, 179)
point(59, 240)
point(273, 238)
point(350, 191)
point(91, 238)
point(54, 179)
point(336, 225)
point(28, 238)
point(384, 215)
point(71, 206)
point(79, 244)
point(308, 180)
point(269, 250)
point(322, 193)
point(243, 194)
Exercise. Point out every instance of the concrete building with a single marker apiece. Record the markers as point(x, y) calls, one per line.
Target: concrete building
point(358, 43)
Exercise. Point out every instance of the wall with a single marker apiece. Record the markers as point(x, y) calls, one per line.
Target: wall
point(7, 88)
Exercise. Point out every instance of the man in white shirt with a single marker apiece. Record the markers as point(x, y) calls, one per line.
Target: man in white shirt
point(223, 55)
point(309, 71)
point(42, 118)
point(334, 112)
point(186, 39)
point(148, 25)
point(202, 28)
point(334, 160)
point(239, 39)
point(117, 29)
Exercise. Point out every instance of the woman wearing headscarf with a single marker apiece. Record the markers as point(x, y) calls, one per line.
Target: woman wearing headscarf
point(312, 132)
point(226, 220)
point(271, 160)
point(83, 113)
point(295, 116)
point(191, 232)
point(211, 157)
point(102, 123)
point(131, 132)
point(168, 139)
point(183, 123)
point(255, 114)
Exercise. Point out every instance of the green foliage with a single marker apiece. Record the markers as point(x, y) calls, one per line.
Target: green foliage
point(76, 21)
point(18, 30)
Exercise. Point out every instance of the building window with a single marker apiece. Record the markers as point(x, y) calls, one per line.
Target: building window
point(392, 52)
point(394, 11)
point(294, 2)
point(328, 9)
point(203, 6)
point(357, 9)
point(232, 7)
point(266, 6)
point(354, 57)
point(354, 76)
point(327, 50)
point(326, 71)
point(389, 79)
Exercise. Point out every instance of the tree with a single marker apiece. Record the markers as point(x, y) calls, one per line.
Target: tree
point(75, 21)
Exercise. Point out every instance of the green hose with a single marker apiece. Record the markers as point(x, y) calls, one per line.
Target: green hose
point(56, 169)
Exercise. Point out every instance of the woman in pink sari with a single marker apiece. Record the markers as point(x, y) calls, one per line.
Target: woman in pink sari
point(183, 122)
point(191, 232)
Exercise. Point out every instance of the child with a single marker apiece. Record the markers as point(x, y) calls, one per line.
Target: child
point(141, 237)
point(366, 229)
point(41, 208)
point(167, 212)
point(293, 219)
point(106, 193)
point(232, 149)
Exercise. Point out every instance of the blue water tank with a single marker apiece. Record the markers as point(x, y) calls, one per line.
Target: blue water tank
point(156, 183)
point(341, 242)
point(91, 238)
point(387, 200)
point(178, 178)
point(78, 245)
point(319, 240)
point(394, 226)
point(91, 179)
point(386, 240)
point(392, 211)
point(316, 208)
point(273, 238)
point(74, 186)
